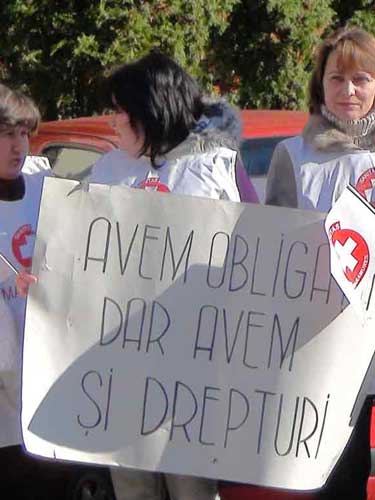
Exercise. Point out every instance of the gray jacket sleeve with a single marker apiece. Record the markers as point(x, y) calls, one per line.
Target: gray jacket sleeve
point(281, 188)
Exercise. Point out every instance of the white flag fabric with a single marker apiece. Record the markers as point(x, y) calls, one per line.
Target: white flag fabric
point(350, 229)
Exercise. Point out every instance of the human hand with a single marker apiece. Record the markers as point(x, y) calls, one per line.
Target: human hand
point(23, 280)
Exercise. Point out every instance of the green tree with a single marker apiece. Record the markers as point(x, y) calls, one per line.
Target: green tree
point(267, 50)
point(358, 12)
point(364, 15)
point(59, 50)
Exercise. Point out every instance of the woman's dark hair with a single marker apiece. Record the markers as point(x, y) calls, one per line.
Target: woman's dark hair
point(355, 48)
point(17, 109)
point(161, 99)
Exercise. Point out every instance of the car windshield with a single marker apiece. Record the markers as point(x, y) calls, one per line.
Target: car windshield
point(256, 154)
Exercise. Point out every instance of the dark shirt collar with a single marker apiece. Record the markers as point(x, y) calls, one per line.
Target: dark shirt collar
point(12, 190)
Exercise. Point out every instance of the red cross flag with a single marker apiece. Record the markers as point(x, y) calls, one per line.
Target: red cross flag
point(349, 227)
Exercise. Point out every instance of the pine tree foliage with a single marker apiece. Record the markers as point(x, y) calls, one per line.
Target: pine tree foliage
point(265, 56)
point(257, 51)
point(268, 49)
point(59, 49)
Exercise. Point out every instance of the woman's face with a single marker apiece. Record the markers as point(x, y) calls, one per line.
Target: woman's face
point(130, 140)
point(348, 93)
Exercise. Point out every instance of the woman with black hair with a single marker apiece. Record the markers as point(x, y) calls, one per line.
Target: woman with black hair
point(171, 140)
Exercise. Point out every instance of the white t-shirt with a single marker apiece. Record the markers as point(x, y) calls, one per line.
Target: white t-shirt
point(208, 174)
point(18, 220)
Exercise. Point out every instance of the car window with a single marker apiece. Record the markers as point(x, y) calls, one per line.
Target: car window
point(71, 162)
point(256, 154)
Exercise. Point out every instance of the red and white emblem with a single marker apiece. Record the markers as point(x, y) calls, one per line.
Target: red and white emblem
point(352, 251)
point(365, 184)
point(153, 184)
point(22, 245)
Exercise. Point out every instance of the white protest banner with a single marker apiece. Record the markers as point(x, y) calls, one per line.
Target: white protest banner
point(187, 335)
point(350, 229)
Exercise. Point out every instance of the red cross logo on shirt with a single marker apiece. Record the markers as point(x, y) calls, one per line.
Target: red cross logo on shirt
point(22, 245)
point(153, 184)
point(365, 184)
point(352, 251)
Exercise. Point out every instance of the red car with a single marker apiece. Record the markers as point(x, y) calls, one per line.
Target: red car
point(72, 146)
